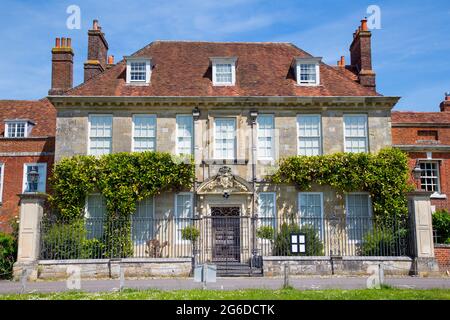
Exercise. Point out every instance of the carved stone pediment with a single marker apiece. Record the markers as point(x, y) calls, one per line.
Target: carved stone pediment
point(223, 182)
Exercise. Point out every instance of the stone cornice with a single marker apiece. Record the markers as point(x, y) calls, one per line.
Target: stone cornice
point(375, 102)
point(423, 148)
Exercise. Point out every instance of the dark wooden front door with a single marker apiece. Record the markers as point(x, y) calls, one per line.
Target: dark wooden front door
point(226, 234)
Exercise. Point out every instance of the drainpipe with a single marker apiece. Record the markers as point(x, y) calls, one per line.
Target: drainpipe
point(253, 119)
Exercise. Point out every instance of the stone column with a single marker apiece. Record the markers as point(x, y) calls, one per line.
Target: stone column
point(419, 205)
point(31, 212)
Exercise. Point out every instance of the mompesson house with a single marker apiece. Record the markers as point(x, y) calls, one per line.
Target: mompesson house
point(291, 163)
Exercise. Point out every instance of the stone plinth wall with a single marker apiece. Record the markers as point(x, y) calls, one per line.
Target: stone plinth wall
point(274, 266)
point(442, 254)
point(105, 268)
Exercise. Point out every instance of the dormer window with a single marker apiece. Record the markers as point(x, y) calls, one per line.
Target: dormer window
point(138, 70)
point(18, 128)
point(307, 71)
point(224, 71)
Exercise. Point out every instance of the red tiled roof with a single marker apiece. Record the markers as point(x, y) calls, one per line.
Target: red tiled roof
point(41, 112)
point(182, 68)
point(420, 117)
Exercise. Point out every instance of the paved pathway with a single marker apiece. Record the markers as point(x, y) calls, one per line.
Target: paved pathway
point(228, 284)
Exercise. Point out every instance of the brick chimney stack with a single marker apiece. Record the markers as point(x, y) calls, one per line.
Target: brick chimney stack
point(361, 56)
point(62, 66)
point(97, 52)
point(445, 105)
point(341, 62)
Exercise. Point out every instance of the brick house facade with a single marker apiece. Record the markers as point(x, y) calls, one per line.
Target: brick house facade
point(426, 138)
point(36, 146)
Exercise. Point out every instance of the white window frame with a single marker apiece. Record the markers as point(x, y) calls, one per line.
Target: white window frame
point(89, 130)
point(152, 218)
point(2, 179)
point(28, 126)
point(320, 131)
point(272, 137)
point(148, 70)
point(437, 193)
point(225, 60)
point(86, 215)
point(25, 178)
point(347, 217)
point(178, 116)
point(177, 234)
point(307, 61)
point(322, 233)
point(354, 115)
point(235, 138)
point(274, 197)
point(133, 144)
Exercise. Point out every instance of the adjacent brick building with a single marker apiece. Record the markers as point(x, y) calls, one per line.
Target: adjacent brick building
point(27, 140)
point(426, 138)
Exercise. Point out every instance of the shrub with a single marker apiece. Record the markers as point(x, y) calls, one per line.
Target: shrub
point(93, 249)
point(380, 242)
point(190, 233)
point(8, 253)
point(441, 223)
point(63, 241)
point(314, 246)
point(265, 232)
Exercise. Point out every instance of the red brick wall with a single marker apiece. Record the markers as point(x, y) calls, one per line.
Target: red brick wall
point(442, 254)
point(410, 136)
point(41, 141)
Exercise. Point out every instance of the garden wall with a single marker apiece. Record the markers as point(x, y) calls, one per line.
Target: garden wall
point(105, 268)
point(274, 266)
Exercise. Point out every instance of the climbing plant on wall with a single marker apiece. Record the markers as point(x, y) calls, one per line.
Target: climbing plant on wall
point(123, 179)
point(384, 175)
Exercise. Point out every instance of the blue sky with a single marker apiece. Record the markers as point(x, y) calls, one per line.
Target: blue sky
point(411, 51)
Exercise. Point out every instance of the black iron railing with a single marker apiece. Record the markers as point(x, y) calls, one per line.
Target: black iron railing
point(231, 239)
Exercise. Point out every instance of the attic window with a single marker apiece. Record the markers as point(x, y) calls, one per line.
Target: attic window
point(18, 128)
point(224, 71)
point(307, 71)
point(138, 70)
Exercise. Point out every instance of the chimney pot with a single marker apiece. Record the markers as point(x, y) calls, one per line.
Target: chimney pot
point(111, 59)
point(63, 42)
point(57, 43)
point(447, 96)
point(342, 62)
point(69, 43)
point(364, 25)
point(95, 24)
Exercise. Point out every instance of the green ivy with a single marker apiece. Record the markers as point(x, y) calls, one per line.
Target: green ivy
point(123, 179)
point(384, 175)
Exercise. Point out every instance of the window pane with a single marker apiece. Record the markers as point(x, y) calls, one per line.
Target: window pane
point(143, 222)
point(138, 71)
point(430, 176)
point(225, 139)
point(144, 133)
point(100, 135)
point(308, 73)
point(183, 213)
point(309, 135)
point(185, 134)
point(358, 216)
point(355, 128)
point(310, 211)
point(95, 214)
point(265, 136)
point(36, 186)
point(224, 73)
point(267, 214)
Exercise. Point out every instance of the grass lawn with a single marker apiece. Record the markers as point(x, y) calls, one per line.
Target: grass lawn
point(253, 294)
